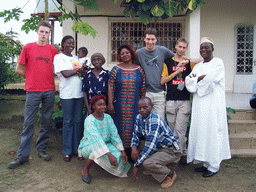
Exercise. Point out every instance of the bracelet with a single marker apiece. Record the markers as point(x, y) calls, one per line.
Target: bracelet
point(171, 76)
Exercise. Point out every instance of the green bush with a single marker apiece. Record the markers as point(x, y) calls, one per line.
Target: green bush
point(9, 49)
point(57, 115)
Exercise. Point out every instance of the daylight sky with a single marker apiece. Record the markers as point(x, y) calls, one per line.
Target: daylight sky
point(29, 8)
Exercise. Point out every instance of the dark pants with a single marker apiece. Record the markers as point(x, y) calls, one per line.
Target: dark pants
point(33, 99)
point(72, 124)
point(253, 103)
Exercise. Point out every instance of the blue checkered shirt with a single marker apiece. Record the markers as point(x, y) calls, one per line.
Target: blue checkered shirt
point(156, 132)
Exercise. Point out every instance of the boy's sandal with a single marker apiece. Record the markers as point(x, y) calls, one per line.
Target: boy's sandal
point(66, 158)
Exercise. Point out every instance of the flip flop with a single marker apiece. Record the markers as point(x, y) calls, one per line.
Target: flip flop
point(86, 179)
point(80, 158)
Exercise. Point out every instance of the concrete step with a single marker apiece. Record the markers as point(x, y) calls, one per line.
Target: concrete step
point(242, 126)
point(243, 152)
point(243, 114)
point(242, 141)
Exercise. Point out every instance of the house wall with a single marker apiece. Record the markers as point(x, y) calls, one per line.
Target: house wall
point(106, 7)
point(108, 11)
point(100, 43)
point(218, 20)
point(100, 22)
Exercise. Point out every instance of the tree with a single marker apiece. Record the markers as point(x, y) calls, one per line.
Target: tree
point(146, 10)
point(9, 49)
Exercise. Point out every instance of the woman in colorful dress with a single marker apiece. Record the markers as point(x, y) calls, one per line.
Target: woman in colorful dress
point(95, 80)
point(67, 68)
point(126, 87)
point(101, 143)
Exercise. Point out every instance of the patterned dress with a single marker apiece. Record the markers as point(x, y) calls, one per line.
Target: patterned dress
point(95, 86)
point(128, 86)
point(101, 137)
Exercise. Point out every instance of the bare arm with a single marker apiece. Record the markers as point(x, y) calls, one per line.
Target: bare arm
point(20, 70)
point(111, 108)
point(200, 78)
point(194, 60)
point(135, 153)
point(171, 76)
point(87, 104)
point(69, 73)
point(112, 159)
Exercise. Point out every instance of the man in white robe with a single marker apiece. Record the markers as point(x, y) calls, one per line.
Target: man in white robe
point(208, 136)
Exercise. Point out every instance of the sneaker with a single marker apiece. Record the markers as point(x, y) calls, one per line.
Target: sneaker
point(44, 155)
point(17, 162)
point(168, 181)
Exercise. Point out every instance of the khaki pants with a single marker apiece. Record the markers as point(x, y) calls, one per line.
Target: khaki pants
point(157, 163)
point(158, 100)
point(177, 113)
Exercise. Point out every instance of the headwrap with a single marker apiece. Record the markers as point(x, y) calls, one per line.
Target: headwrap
point(206, 39)
point(96, 98)
point(98, 55)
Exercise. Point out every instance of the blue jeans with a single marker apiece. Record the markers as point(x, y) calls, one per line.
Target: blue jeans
point(72, 124)
point(33, 99)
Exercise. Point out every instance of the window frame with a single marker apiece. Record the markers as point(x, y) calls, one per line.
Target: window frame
point(237, 49)
point(136, 20)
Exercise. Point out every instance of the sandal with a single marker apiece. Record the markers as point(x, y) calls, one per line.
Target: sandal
point(67, 158)
point(78, 157)
point(86, 178)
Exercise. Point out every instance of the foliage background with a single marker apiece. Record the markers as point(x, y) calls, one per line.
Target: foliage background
point(9, 49)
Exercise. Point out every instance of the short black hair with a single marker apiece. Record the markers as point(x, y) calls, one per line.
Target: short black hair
point(84, 50)
point(150, 31)
point(146, 99)
point(66, 38)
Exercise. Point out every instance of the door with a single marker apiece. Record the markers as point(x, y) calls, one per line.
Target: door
point(245, 74)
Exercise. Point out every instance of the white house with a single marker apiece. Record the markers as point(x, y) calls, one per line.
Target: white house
point(230, 23)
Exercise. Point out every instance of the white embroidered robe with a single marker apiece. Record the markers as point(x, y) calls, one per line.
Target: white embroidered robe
point(208, 136)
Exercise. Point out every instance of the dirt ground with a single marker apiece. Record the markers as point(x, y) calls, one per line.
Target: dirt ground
point(236, 174)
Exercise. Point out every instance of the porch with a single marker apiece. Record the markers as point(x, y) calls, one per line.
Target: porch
point(242, 126)
point(238, 100)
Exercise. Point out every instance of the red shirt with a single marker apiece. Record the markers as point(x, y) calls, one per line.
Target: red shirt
point(38, 61)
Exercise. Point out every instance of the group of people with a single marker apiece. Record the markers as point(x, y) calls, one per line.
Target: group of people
point(127, 107)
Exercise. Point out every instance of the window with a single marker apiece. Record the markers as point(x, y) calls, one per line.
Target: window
point(132, 33)
point(244, 50)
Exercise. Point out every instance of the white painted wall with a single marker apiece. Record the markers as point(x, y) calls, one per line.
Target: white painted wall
point(100, 43)
point(218, 20)
point(192, 33)
point(67, 24)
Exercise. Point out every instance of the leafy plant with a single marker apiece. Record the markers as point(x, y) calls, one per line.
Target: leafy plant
point(230, 110)
point(57, 115)
point(152, 9)
point(9, 49)
point(57, 46)
point(146, 10)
